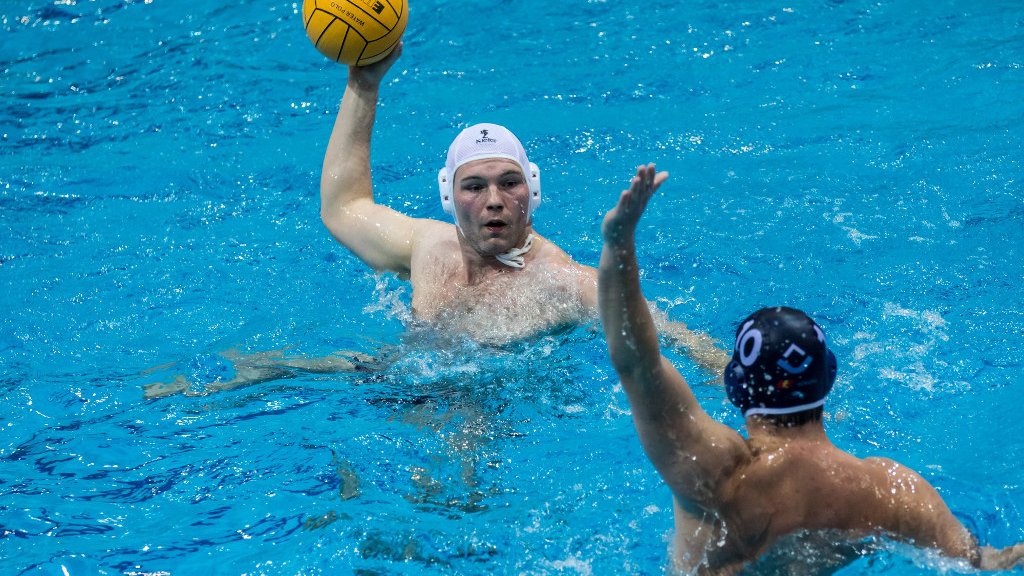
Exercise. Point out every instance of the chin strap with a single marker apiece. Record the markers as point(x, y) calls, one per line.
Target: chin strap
point(514, 257)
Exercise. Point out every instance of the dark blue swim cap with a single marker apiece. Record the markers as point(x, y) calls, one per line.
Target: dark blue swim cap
point(780, 365)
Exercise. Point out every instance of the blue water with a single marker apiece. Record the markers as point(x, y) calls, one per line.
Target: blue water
point(861, 160)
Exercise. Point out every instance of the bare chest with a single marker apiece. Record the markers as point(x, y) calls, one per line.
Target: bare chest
point(503, 307)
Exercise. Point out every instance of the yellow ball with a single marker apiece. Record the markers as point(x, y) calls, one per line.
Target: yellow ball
point(357, 32)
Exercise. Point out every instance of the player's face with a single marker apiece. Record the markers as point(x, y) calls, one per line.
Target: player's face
point(492, 200)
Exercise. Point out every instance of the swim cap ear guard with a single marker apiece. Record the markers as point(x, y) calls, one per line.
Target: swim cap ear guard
point(481, 142)
point(780, 365)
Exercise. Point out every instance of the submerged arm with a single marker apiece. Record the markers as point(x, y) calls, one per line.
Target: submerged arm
point(691, 451)
point(698, 346)
point(259, 367)
point(1002, 559)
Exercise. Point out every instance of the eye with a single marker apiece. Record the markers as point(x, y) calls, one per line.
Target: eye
point(511, 182)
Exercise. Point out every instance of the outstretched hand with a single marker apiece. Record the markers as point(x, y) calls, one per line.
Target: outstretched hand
point(620, 222)
point(370, 75)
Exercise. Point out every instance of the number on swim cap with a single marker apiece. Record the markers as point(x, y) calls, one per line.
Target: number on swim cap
point(753, 338)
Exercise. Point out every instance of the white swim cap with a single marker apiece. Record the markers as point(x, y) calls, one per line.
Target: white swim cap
point(485, 141)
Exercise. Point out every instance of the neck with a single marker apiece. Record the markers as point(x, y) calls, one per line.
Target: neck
point(758, 427)
point(480, 266)
point(516, 257)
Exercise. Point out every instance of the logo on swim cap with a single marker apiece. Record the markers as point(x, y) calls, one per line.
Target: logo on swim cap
point(780, 365)
point(481, 142)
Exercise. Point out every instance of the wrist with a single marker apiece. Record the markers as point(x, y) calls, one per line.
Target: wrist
point(620, 243)
point(359, 82)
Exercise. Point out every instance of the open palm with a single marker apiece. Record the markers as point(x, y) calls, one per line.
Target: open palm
point(620, 222)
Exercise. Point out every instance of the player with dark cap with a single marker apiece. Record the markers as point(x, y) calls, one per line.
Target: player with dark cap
point(780, 366)
point(738, 500)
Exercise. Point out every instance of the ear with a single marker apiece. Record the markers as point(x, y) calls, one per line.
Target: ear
point(445, 188)
point(533, 180)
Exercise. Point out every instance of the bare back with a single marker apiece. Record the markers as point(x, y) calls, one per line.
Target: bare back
point(802, 483)
point(736, 499)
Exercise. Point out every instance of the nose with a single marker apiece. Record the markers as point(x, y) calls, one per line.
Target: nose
point(495, 201)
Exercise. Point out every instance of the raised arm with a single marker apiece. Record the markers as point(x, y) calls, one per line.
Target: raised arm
point(691, 451)
point(378, 235)
point(628, 325)
point(698, 346)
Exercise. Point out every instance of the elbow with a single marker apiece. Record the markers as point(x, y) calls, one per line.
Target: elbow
point(333, 212)
point(634, 369)
point(327, 216)
point(622, 351)
point(333, 219)
point(621, 362)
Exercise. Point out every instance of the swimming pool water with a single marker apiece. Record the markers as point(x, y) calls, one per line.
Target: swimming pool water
point(158, 205)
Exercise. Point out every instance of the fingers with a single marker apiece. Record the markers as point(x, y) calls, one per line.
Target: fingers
point(650, 176)
point(633, 201)
point(373, 74)
point(659, 179)
point(643, 185)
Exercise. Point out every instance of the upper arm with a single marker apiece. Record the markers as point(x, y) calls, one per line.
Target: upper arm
point(381, 237)
point(692, 451)
point(588, 286)
point(922, 516)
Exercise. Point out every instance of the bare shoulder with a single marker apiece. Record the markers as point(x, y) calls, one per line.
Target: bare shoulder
point(553, 255)
point(550, 251)
point(905, 487)
point(920, 514)
point(559, 263)
point(881, 463)
point(432, 234)
point(910, 493)
point(889, 469)
point(435, 259)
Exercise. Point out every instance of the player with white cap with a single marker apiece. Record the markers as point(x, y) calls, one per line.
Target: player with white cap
point(490, 275)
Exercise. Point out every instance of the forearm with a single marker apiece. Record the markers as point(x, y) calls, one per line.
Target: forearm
point(684, 444)
point(628, 325)
point(346, 168)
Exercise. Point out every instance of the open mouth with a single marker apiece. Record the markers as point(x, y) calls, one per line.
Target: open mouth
point(495, 225)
